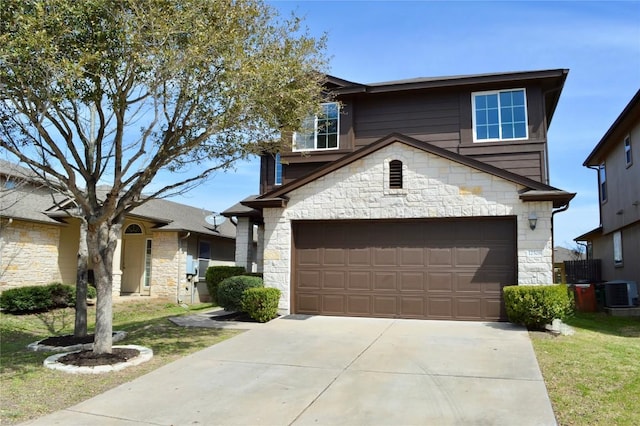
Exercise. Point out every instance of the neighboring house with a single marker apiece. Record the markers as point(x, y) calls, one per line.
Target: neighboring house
point(164, 250)
point(561, 255)
point(414, 199)
point(616, 157)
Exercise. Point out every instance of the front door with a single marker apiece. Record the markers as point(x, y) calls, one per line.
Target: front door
point(133, 256)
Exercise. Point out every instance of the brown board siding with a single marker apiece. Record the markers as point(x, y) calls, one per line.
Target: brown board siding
point(427, 269)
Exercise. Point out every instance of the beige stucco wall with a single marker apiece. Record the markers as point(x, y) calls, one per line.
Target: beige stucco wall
point(28, 254)
point(434, 187)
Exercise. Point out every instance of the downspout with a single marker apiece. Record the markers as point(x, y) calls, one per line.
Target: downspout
point(180, 239)
point(553, 213)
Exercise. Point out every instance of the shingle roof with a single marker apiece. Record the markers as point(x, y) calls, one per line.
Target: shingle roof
point(34, 202)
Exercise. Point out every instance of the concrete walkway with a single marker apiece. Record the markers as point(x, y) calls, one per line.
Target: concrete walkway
point(301, 370)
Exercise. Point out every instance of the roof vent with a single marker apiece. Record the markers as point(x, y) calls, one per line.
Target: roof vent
point(395, 174)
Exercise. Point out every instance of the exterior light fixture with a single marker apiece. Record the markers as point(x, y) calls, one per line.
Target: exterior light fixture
point(533, 220)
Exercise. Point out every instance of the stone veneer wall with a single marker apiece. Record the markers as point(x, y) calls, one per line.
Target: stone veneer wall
point(433, 187)
point(164, 265)
point(28, 254)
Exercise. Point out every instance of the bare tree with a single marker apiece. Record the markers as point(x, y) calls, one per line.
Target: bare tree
point(184, 85)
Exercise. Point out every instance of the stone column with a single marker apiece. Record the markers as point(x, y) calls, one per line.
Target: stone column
point(244, 243)
point(260, 249)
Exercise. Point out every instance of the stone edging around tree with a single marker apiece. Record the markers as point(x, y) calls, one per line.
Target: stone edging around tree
point(36, 346)
point(145, 355)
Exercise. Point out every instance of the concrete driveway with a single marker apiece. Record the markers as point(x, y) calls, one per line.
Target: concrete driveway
point(302, 370)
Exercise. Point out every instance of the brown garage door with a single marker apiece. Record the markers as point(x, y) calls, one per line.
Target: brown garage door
point(435, 269)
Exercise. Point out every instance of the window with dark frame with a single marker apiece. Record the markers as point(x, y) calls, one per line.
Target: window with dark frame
point(627, 151)
point(395, 174)
point(603, 182)
point(278, 171)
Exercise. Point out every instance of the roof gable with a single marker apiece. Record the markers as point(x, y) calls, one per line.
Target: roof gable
point(626, 118)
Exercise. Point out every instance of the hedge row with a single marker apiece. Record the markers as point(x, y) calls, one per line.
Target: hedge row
point(40, 298)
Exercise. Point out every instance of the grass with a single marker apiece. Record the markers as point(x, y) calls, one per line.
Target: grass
point(29, 390)
point(593, 376)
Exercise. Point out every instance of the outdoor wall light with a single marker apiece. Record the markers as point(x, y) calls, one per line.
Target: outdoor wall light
point(533, 220)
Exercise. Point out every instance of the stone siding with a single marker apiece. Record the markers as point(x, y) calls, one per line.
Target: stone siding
point(28, 254)
point(434, 187)
point(165, 262)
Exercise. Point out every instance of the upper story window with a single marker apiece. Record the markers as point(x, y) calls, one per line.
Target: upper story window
point(627, 151)
point(321, 131)
point(134, 228)
point(602, 171)
point(278, 171)
point(499, 115)
point(395, 174)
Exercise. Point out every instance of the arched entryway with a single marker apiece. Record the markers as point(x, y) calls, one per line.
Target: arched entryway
point(136, 258)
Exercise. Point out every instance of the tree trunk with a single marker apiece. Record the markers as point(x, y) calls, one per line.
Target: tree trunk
point(102, 239)
point(80, 326)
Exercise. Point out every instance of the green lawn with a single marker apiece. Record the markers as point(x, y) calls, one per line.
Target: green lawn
point(593, 377)
point(29, 390)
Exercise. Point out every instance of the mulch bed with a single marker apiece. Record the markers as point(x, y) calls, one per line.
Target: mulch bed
point(87, 358)
point(235, 316)
point(68, 340)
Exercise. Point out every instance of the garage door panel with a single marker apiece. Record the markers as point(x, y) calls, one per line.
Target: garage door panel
point(310, 303)
point(385, 256)
point(435, 269)
point(359, 280)
point(309, 257)
point(333, 304)
point(411, 256)
point(359, 257)
point(440, 281)
point(385, 306)
point(309, 279)
point(412, 281)
point(440, 308)
point(334, 280)
point(334, 257)
point(412, 307)
point(468, 256)
point(385, 281)
point(359, 305)
point(440, 256)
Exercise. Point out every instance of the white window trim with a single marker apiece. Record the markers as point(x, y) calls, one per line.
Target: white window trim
point(617, 249)
point(602, 172)
point(490, 92)
point(146, 279)
point(315, 134)
point(626, 142)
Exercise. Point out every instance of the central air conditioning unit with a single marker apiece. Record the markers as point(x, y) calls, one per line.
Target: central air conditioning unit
point(620, 294)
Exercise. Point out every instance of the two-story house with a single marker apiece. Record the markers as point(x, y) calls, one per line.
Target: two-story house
point(418, 198)
point(616, 157)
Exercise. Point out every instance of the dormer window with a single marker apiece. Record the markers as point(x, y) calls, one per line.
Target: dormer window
point(499, 115)
point(319, 132)
point(395, 174)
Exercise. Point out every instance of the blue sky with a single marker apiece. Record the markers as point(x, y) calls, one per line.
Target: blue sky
point(374, 41)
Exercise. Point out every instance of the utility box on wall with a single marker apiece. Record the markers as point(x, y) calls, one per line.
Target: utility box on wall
point(192, 266)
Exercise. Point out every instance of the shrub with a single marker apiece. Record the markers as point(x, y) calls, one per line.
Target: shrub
point(261, 303)
point(230, 291)
point(39, 298)
point(536, 305)
point(215, 274)
point(62, 296)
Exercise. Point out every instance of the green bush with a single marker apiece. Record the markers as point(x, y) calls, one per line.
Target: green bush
point(261, 303)
point(62, 296)
point(534, 306)
point(215, 274)
point(39, 298)
point(230, 291)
